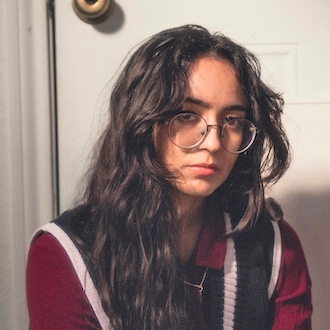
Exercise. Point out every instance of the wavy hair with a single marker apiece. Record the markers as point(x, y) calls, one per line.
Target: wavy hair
point(134, 253)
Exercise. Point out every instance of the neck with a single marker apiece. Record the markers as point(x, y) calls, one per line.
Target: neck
point(188, 209)
point(190, 217)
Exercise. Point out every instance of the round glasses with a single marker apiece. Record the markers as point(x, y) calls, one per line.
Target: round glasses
point(187, 130)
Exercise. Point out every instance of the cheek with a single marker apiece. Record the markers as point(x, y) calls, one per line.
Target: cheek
point(163, 145)
point(169, 156)
point(230, 162)
point(168, 153)
point(233, 160)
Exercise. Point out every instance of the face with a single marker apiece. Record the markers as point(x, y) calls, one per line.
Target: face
point(216, 95)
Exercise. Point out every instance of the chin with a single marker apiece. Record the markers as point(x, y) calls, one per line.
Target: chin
point(201, 192)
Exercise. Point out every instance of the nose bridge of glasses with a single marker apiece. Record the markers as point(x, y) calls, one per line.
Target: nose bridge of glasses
point(218, 127)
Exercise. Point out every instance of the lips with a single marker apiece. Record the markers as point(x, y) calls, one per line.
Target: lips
point(204, 169)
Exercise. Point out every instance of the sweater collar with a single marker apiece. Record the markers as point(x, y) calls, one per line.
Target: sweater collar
point(211, 246)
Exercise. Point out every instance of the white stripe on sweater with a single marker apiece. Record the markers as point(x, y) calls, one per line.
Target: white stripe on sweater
point(277, 257)
point(230, 280)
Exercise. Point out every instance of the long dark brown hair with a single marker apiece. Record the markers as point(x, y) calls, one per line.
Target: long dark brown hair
point(135, 257)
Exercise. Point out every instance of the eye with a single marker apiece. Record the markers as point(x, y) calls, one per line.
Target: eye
point(232, 121)
point(187, 117)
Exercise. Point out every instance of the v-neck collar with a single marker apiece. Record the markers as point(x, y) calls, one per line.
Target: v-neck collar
point(211, 246)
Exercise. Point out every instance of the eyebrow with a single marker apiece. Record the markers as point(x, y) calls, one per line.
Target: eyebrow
point(207, 105)
point(202, 103)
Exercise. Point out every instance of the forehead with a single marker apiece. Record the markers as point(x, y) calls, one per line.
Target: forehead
point(215, 82)
point(208, 67)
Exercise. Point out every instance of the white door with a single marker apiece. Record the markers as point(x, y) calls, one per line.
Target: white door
point(291, 38)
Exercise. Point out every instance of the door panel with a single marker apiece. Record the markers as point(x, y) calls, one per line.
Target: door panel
point(287, 36)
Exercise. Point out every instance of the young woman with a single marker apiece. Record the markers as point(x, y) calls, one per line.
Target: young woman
point(174, 231)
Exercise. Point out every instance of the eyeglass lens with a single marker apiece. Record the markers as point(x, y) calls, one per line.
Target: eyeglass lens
point(187, 130)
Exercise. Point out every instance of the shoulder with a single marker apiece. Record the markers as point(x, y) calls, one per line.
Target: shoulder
point(292, 299)
point(294, 274)
point(61, 241)
point(293, 257)
point(45, 249)
point(48, 260)
point(293, 253)
point(289, 237)
point(52, 285)
point(75, 220)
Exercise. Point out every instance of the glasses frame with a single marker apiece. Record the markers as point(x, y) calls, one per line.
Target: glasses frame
point(208, 126)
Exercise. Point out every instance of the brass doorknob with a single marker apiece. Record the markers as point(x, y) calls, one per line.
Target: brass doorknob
point(93, 11)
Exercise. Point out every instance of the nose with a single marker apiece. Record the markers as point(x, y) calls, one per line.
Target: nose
point(212, 141)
